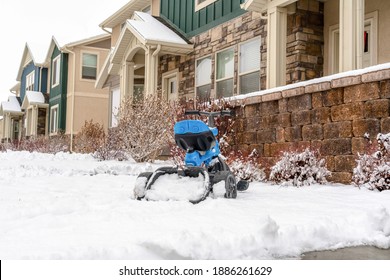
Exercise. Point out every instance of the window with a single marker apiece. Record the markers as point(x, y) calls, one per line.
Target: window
point(203, 78)
point(249, 75)
point(30, 79)
point(54, 119)
point(89, 67)
point(170, 85)
point(200, 4)
point(55, 73)
point(225, 73)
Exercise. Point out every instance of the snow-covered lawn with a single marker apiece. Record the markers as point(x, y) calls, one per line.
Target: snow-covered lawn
point(74, 207)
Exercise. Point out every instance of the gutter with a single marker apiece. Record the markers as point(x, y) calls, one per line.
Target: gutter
point(73, 90)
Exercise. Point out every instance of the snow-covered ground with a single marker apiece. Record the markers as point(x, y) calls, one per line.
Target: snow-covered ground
point(73, 207)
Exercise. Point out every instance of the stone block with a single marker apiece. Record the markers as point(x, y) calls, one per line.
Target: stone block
point(249, 138)
point(293, 134)
point(347, 112)
point(377, 108)
point(299, 103)
point(361, 92)
point(360, 145)
point(252, 100)
point(316, 100)
point(385, 125)
point(268, 108)
point(333, 97)
point(251, 111)
point(321, 115)
point(346, 81)
point(293, 92)
point(376, 76)
point(284, 120)
point(283, 105)
point(363, 126)
point(312, 132)
point(338, 130)
point(272, 96)
point(341, 177)
point(252, 124)
point(330, 163)
point(301, 117)
point(266, 136)
point(384, 89)
point(267, 150)
point(317, 87)
point(341, 146)
point(280, 137)
point(345, 163)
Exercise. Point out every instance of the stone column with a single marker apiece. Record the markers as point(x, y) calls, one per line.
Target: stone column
point(276, 47)
point(351, 34)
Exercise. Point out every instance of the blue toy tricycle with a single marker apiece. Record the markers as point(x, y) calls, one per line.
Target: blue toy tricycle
point(202, 158)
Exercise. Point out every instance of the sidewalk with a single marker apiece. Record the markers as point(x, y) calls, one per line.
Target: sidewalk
point(351, 253)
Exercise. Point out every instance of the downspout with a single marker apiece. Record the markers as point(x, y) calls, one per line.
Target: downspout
point(73, 90)
point(155, 70)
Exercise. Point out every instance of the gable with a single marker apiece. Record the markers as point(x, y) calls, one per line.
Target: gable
point(182, 15)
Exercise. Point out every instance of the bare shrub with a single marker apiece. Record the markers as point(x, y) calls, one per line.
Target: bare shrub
point(299, 169)
point(373, 170)
point(90, 137)
point(144, 127)
point(41, 144)
point(245, 166)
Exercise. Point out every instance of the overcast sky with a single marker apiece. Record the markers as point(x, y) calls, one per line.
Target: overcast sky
point(35, 22)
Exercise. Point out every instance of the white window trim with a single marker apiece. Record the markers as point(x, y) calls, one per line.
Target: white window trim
point(32, 74)
point(216, 69)
point(81, 66)
point(55, 131)
point(165, 77)
point(239, 63)
point(369, 19)
point(58, 59)
point(196, 66)
point(199, 6)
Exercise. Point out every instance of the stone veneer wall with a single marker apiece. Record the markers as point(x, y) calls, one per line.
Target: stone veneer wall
point(305, 41)
point(225, 35)
point(331, 116)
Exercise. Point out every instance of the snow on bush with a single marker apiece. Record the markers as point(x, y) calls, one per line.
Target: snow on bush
point(41, 144)
point(245, 166)
point(373, 170)
point(299, 169)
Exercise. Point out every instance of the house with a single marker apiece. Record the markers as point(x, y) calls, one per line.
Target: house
point(73, 96)
point(33, 92)
point(236, 47)
point(12, 117)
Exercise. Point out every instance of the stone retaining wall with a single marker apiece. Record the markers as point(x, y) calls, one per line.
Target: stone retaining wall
point(331, 116)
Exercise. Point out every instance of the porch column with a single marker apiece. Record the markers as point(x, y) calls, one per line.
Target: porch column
point(276, 46)
point(130, 78)
point(7, 126)
point(351, 34)
point(34, 121)
point(150, 72)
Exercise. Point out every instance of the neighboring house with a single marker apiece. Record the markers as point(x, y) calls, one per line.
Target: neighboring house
point(33, 93)
point(73, 72)
point(11, 122)
point(223, 48)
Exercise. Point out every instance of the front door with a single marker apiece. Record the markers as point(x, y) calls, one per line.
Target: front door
point(172, 88)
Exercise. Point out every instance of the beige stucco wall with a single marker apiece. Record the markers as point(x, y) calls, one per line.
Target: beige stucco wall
point(116, 31)
point(89, 102)
point(331, 12)
point(1, 128)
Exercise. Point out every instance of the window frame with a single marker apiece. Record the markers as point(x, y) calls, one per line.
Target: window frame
point(56, 77)
point(54, 130)
point(166, 77)
point(250, 71)
point(216, 80)
point(82, 65)
point(199, 6)
point(211, 73)
point(30, 77)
